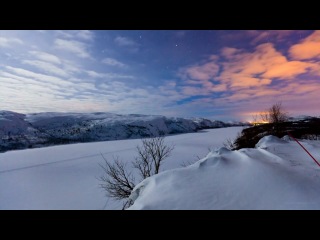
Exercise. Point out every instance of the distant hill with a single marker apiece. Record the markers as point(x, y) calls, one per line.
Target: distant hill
point(20, 131)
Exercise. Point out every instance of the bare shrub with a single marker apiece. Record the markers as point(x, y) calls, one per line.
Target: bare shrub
point(229, 144)
point(151, 155)
point(119, 182)
point(275, 114)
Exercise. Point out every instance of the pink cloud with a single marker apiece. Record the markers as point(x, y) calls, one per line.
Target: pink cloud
point(277, 35)
point(241, 70)
point(219, 88)
point(307, 48)
point(261, 66)
point(201, 75)
point(244, 79)
point(203, 72)
point(287, 70)
point(229, 52)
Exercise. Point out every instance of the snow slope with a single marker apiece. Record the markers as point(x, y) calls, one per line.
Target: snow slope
point(277, 174)
point(19, 131)
point(65, 176)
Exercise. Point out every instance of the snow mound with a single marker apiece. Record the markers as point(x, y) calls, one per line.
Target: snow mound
point(276, 175)
point(286, 138)
point(267, 140)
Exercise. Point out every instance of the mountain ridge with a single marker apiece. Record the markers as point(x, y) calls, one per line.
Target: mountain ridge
point(20, 131)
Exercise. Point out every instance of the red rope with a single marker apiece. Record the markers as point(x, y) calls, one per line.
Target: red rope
point(305, 149)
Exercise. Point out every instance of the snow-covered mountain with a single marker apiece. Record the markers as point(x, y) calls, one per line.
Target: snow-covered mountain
point(18, 131)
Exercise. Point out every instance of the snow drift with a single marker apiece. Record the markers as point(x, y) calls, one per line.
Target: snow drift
point(277, 174)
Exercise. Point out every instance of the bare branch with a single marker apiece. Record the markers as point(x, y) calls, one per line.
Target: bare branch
point(275, 114)
point(255, 118)
point(151, 155)
point(118, 182)
point(229, 144)
point(265, 117)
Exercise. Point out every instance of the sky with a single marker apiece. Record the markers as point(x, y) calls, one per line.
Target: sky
point(216, 74)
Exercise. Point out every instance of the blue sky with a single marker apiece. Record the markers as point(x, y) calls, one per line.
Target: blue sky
point(226, 75)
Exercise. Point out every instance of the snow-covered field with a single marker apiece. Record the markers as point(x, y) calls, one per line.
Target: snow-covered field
point(277, 174)
point(65, 176)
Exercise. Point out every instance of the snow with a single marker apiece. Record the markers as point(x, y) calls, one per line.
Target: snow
point(267, 140)
point(65, 176)
point(277, 174)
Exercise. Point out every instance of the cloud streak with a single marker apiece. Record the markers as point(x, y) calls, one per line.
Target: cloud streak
point(80, 49)
point(47, 57)
point(113, 62)
point(9, 42)
point(85, 35)
point(125, 42)
point(47, 67)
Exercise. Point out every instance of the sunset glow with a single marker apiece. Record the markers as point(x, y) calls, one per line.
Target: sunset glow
point(259, 123)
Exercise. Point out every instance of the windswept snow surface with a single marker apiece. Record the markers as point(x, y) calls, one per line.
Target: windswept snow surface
point(65, 176)
point(277, 174)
